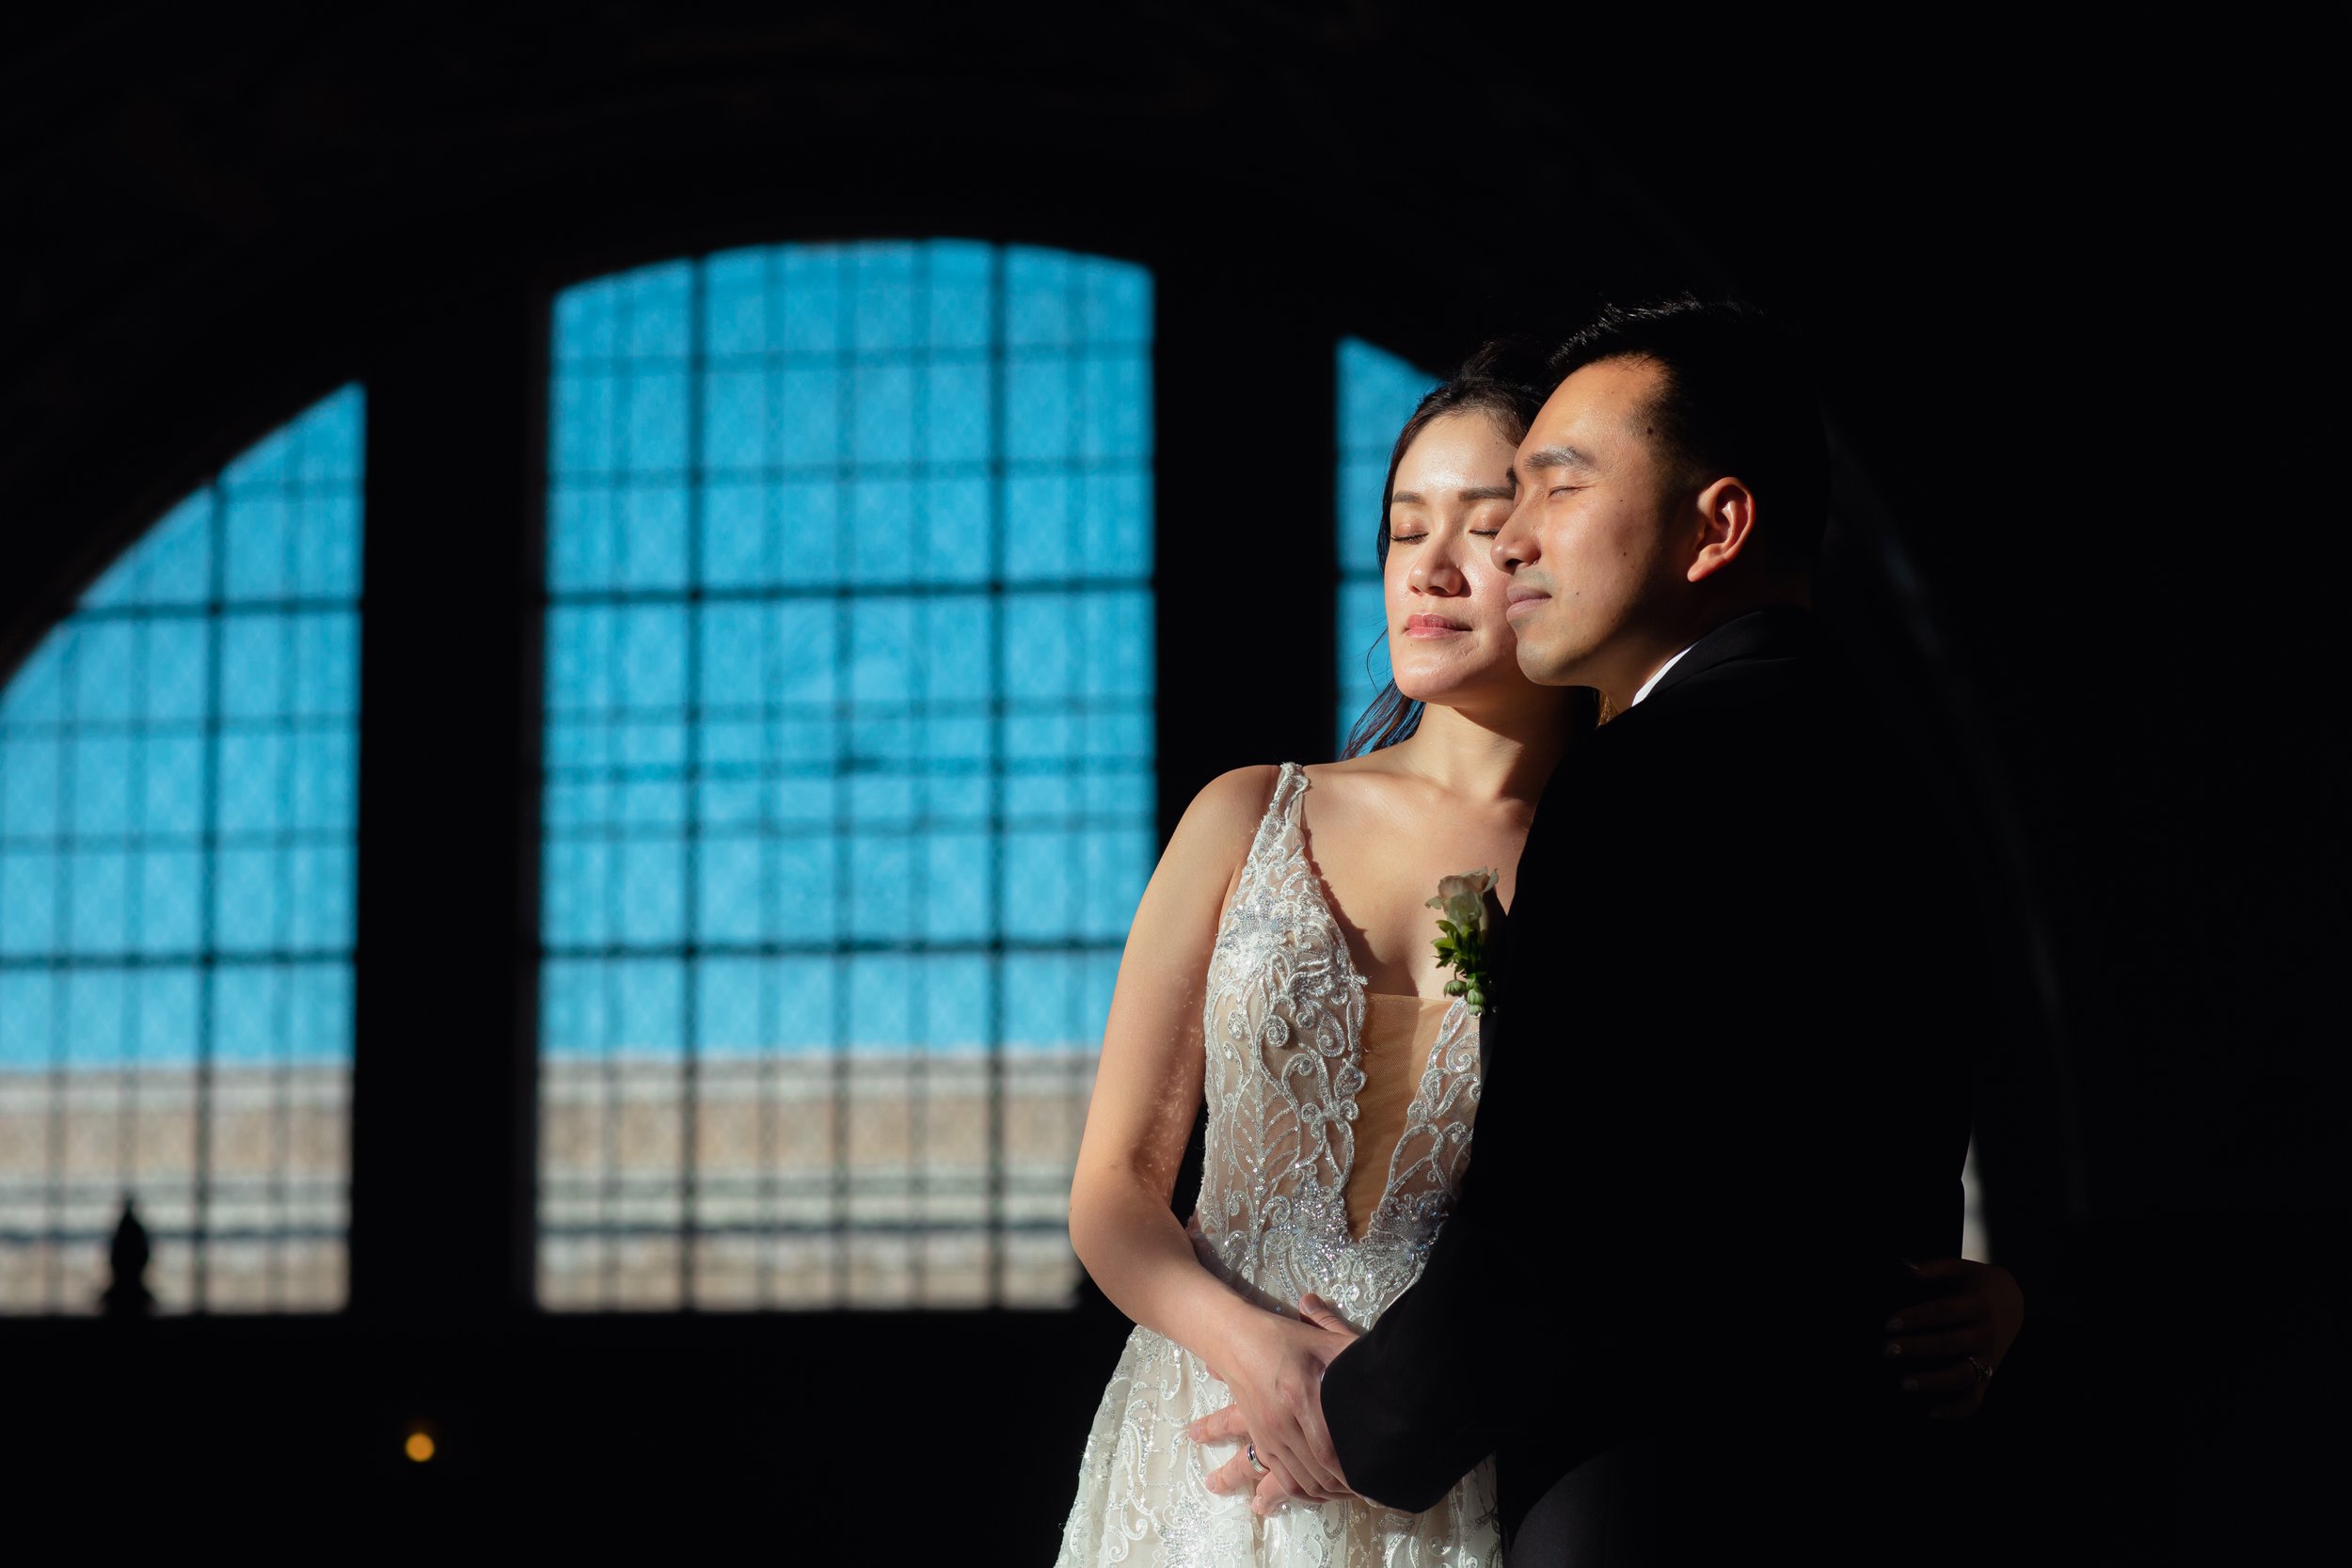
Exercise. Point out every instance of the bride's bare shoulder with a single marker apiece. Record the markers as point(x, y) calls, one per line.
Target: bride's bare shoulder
point(1224, 816)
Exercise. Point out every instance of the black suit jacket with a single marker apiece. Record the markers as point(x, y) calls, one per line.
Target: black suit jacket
point(1725, 1096)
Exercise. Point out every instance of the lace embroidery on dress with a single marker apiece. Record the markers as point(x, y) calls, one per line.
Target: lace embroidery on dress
point(1283, 1025)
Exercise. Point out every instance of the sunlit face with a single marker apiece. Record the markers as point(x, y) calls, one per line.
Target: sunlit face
point(1447, 635)
point(1591, 544)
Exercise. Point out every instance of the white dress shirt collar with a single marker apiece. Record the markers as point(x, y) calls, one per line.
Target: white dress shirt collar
point(1656, 678)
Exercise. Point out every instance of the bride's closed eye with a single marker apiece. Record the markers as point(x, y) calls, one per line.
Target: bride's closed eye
point(1406, 538)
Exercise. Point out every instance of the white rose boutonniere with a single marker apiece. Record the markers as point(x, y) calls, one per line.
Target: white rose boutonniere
point(1464, 923)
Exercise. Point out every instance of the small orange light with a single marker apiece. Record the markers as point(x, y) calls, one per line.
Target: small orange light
point(419, 1447)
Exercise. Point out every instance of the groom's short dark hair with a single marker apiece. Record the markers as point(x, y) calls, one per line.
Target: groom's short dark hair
point(1736, 398)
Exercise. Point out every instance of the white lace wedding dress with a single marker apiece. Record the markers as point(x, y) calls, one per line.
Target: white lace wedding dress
point(1285, 1039)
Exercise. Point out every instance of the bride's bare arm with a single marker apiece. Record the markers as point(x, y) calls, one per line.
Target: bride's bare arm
point(1147, 1096)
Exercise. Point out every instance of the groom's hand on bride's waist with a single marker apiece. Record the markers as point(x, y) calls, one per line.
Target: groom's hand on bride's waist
point(1271, 1484)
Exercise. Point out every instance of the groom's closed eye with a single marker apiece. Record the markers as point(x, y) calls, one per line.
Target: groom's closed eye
point(1558, 462)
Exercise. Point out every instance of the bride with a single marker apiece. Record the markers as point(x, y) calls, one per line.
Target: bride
point(1281, 968)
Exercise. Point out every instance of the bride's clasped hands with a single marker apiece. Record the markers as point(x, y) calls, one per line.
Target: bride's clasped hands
point(1277, 1373)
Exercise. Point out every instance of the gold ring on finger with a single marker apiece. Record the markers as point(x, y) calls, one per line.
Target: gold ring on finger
point(1984, 1373)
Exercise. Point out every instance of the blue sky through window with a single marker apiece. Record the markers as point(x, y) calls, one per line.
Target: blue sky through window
point(849, 747)
point(178, 766)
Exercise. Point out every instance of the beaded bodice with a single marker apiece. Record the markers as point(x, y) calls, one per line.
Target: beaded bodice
point(1285, 1021)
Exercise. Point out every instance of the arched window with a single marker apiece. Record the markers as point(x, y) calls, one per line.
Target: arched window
point(848, 768)
point(1378, 393)
point(177, 772)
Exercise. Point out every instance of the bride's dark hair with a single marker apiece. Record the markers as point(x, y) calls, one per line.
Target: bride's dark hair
point(1506, 380)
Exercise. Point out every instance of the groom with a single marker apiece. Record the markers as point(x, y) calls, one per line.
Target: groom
point(1724, 1097)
